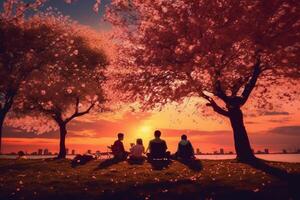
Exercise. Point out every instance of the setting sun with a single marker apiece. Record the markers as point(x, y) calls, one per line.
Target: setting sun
point(144, 132)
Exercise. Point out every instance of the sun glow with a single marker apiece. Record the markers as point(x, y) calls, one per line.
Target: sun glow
point(145, 132)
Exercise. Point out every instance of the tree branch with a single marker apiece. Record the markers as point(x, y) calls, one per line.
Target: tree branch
point(236, 87)
point(218, 88)
point(211, 103)
point(216, 107)
point(77, 113)
point(77, 105)
point(252, 81)
point(55, 114)
point(219, 91)
point(9, 99)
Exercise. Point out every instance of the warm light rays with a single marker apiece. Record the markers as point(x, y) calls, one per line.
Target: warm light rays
point(145, 132)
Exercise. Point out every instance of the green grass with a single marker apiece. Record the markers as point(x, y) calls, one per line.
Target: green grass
point(225, 179)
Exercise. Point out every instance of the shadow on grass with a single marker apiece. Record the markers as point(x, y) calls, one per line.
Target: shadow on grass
point(156, 164)
point(160, 164)
point(135, 162)
point(194, 165)
point(108, 162)
point(293, 179)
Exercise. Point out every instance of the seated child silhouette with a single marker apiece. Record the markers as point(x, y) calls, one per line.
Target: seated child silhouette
point(136, 152)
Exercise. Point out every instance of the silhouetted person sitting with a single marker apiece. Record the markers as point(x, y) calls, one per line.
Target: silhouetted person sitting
point(157, 148)
point(136, 153)
point(185, 151)
point(185, 154)
point(118, 149)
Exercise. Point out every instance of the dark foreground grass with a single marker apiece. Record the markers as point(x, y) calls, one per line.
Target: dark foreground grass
point(226, 179)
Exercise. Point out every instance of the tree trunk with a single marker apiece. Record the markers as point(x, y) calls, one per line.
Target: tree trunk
point(2, 117)
point(241, 140)
point(3, 111)
point(62, 145)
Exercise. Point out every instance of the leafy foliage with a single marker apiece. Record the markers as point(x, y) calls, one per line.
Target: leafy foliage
point(69, 85)
point(54, 67)
point(218, 50)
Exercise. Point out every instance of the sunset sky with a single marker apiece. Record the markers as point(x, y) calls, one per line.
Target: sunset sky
point(275, 129)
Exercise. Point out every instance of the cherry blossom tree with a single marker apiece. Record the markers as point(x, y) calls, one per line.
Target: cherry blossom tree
point(41, 43)
point(223, 51)
point(23, 49)
point(70, 85)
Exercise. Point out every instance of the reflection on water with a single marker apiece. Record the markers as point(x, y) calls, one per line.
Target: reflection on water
point(272, 157)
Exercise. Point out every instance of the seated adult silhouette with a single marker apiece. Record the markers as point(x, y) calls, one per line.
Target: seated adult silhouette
point(185, 150)
point(118, 152)
point(118, 149)
point(185, 154)
point(157, 148)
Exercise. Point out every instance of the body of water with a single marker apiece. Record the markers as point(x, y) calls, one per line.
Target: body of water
point(293, 158)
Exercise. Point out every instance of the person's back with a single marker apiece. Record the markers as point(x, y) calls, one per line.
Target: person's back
point(136, 153)
point(137, 150)
point(158, 147)
point(118, 149)
point(185, 149)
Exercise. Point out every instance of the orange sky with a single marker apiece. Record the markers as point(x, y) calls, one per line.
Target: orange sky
point(274, 130)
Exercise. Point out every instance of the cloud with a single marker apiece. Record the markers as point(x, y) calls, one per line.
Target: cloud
point(286, 130)
point(281, 120)
point(10, 132)
point(101, 128)
point(86, 128)
point(268, 113)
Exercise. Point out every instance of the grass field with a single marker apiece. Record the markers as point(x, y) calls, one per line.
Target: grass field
point(226, 179)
